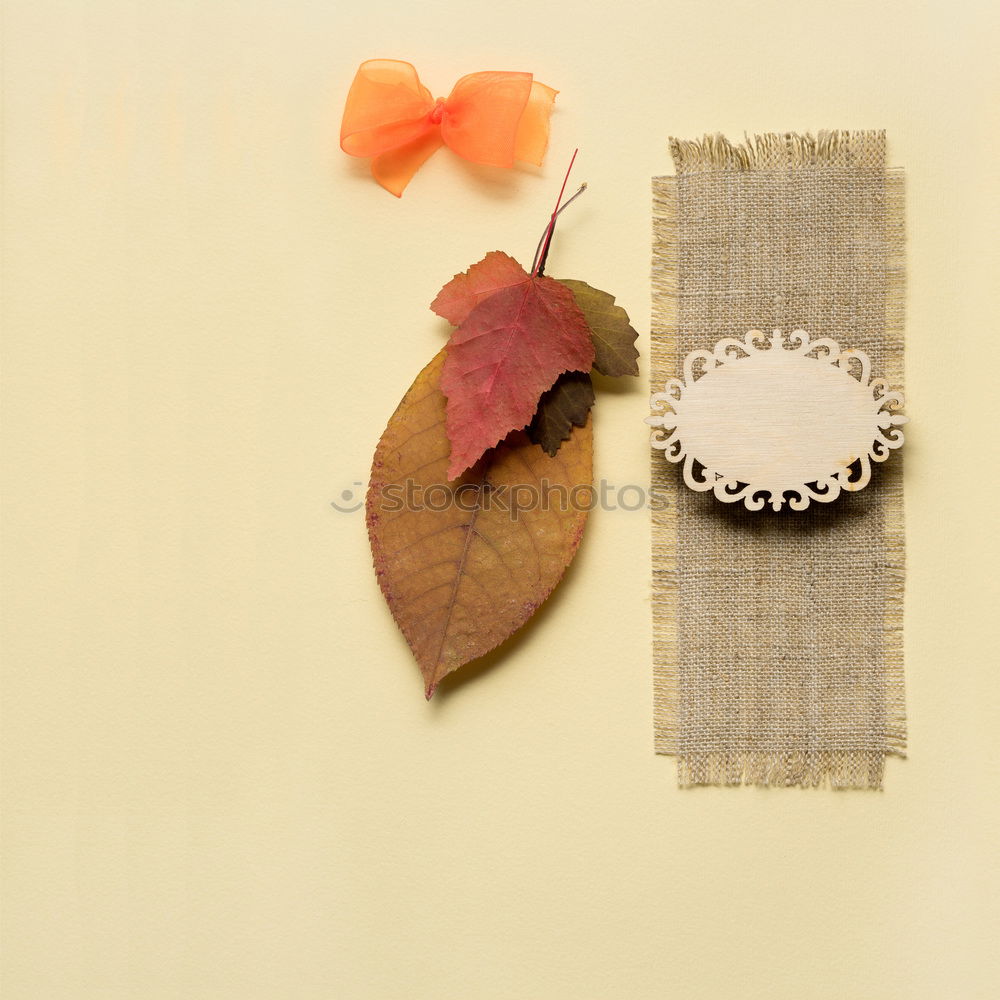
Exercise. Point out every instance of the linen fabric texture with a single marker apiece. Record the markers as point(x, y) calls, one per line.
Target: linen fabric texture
point(778, 646)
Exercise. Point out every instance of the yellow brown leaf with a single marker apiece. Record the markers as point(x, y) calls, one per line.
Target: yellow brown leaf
point(464, 564)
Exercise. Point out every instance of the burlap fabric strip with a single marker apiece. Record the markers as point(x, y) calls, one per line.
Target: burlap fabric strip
point(778, 655)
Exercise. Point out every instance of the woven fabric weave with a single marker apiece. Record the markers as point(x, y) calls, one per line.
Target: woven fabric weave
point(778, 653)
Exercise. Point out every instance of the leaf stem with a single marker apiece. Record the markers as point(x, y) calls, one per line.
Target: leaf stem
point(541, 255)
point(562, 208)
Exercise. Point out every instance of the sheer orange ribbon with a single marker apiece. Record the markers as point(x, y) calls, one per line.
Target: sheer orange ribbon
point(491, 118)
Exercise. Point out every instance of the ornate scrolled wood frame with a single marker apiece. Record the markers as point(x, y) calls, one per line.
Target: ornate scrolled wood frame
point(886, 420)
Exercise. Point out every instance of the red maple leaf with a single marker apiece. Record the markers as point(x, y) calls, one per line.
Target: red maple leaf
point(510, 347)
point(516, 334)
point(465, 291)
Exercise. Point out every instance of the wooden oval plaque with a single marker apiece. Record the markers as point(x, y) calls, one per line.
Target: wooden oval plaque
point(776, 420)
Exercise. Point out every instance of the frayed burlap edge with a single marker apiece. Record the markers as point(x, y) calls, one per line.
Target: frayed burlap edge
point(892, 482)
point(801, 768)
point(663, 482)
point(779, 149)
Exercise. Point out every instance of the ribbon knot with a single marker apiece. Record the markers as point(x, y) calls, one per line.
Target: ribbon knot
point(437, 112)
point(492, 118)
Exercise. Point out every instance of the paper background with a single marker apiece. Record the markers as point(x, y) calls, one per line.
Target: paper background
point(220, 777)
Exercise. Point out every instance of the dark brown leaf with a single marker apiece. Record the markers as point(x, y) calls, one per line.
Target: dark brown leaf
point(565, 406)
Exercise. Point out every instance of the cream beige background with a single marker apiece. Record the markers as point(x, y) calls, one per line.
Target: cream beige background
point(220, 777)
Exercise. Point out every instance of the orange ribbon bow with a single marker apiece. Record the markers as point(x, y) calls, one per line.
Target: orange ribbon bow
point(491, 118)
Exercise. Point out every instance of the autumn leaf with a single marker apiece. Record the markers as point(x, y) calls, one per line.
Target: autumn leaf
point(464, 564)
point(614, 337)
point(565, 406)
point(466, 290)
point(508, 350)
point(471, 523)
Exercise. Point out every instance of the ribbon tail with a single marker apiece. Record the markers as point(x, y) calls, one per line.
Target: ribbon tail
point(395, 168)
